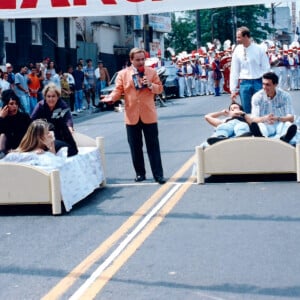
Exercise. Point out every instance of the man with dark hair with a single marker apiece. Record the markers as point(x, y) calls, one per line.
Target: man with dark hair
point(102, 78)
point(249, 62)
point(78, 86)
point(273, 111)
point(11, 75)
point(229, 123)
point(90, 83)
point(21, 88)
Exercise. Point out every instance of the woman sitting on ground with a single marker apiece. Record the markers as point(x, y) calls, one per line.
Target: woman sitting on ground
point(56, 112)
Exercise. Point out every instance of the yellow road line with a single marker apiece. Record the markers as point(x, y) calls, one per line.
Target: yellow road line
point(80, 269)
point(108, 273)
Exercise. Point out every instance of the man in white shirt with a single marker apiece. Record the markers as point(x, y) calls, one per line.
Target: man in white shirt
point(249, 62)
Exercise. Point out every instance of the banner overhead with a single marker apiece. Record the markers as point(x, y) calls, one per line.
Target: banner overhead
point(17, 9)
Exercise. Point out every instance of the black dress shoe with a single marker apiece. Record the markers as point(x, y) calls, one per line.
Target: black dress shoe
point(215, 139)
point(292, 130)
point(245, 134)
point(160, 180)
point(140, 178)
point(255, 129)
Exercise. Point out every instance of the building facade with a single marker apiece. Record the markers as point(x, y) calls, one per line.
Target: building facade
point(31, 40)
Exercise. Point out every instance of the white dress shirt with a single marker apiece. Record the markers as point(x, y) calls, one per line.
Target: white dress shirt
point(247, 63)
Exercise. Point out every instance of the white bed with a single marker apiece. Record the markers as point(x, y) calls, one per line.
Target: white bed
point(247, 155)
point(28, 184)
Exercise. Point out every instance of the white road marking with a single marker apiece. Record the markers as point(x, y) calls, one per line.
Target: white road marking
point(124, 244)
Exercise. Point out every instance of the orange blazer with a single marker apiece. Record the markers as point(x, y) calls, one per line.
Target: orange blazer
point(139, 104)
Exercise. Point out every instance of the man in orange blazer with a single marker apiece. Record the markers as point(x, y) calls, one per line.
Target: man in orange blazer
point(139, 84)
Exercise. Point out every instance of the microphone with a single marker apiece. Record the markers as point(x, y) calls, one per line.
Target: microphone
point(141, 71)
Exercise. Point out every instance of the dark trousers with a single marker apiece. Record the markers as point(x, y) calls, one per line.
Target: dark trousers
point(135, 140)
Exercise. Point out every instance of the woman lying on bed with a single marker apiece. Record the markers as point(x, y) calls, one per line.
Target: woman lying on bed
point(37, 140)
point(79, 174)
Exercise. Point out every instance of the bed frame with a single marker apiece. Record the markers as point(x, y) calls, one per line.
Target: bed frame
point(247, 155)
point(16, 180)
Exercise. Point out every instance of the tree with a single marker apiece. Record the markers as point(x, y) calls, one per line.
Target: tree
point(183, 35)
point(218, 23)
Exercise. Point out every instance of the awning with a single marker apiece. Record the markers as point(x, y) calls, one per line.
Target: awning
point(13, 9)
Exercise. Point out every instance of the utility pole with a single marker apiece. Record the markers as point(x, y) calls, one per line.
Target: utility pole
point(198, 29)
point(212, 25)
point(233, 17)
point(2, 42)
point(146, 33)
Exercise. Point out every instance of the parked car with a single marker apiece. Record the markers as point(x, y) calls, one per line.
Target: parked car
point(107, 90)
point(170, 82)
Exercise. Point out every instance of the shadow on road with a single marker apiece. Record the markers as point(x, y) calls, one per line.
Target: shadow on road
point(251, 178)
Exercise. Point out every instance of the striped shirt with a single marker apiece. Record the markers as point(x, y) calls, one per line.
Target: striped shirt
point(280, 105)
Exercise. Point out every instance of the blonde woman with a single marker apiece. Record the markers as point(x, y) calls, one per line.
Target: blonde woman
point(56, 112)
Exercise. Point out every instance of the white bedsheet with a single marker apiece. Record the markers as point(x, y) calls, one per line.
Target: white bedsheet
point(80, 175)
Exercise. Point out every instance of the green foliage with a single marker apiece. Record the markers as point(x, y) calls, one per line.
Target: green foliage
point(217, 23)
point(183, 35)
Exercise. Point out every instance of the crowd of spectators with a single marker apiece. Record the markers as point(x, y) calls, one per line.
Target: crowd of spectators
point(75, 83)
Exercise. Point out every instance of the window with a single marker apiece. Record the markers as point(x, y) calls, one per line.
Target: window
point(10, 31)
point(36, 32)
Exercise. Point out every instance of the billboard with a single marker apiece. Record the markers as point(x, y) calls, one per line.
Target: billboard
point(13, 9)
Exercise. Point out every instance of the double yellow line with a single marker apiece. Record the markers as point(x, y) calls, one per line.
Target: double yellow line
point(95, 287)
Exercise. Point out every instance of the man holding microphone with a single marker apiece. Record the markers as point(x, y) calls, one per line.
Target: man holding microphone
point(139, 85)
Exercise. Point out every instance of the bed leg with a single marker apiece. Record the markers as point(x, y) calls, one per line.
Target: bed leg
point(298, 162)
point(100, 145)
point(200, 164)
point(55, 193)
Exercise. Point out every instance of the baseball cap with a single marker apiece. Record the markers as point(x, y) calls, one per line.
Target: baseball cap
point(8, 65)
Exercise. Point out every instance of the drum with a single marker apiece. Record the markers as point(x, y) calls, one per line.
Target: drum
point(225, 64)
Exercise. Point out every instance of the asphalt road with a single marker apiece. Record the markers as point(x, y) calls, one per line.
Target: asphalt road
point(231, 238)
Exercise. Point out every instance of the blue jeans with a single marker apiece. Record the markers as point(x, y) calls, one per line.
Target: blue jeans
point(78, 99)
point(25, 103)
point(232, 128)
point(100, 84)
point(248, 87)
point(33, 102)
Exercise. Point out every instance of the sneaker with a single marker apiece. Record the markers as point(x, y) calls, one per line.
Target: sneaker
point(74, 113)
point(255, 129)
point(292, 130)
point(215, 139)
point(79, 110)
